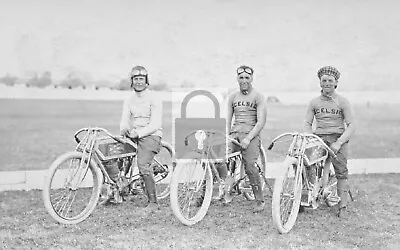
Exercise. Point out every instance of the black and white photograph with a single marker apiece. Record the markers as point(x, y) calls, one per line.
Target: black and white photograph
point(188, 124)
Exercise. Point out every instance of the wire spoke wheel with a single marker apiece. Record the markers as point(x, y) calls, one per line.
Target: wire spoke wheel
point(286, 196)
point(163, 165)
point(191, 190)
point(72, 188)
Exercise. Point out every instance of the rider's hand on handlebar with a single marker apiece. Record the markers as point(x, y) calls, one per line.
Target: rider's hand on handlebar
point(245, 143)
point(125, 132)
point(336, 146)
point(134, 135)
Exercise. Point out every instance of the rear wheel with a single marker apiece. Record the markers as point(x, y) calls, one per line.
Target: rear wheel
point(191, 189)
point(72, 188)
point(286, 196)
point(163, 165)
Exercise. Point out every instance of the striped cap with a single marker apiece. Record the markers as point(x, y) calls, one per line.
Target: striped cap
point(329, 70)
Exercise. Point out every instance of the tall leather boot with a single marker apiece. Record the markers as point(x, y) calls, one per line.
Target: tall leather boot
point(255, 182)
point(150, 191)
point(259, 197)
point(342, 190)
point(223, 172)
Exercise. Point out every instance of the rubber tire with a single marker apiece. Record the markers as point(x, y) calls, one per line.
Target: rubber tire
point(276, 198)
point(97, 179)
point(164, 194)
point(174, 196)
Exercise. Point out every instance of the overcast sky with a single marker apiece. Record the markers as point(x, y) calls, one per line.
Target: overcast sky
point(204, 41)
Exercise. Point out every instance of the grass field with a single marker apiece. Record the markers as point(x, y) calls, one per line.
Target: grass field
point(34, 132)
point(374, 223)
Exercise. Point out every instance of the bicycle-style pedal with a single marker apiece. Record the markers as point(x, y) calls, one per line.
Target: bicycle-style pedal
point(110, 194)
point(117, 197)
point(228, 197)
point(331, 199)
point(221, 192)
point(136, 188)
point(305, 198)
point(105, 194)
point(244, 186)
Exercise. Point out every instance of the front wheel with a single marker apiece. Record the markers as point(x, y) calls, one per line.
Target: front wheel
point(286, 196)
point(72, 188)
point(191, 190)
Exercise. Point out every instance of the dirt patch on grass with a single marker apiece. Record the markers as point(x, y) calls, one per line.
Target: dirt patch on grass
point(374, 223)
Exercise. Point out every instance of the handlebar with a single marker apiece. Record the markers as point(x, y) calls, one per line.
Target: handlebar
point(98, 129)
point(307, 135)
point(280, 136)
point(214, 132)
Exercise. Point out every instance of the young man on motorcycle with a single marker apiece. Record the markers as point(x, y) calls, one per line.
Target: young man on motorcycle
point(141, 120)
point(335, 125)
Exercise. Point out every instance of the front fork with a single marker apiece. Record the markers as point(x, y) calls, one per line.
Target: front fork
point(326, 172)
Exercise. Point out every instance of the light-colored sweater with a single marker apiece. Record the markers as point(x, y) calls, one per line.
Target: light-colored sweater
point(142, 112)
point(246, 110)
point(332, 114)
